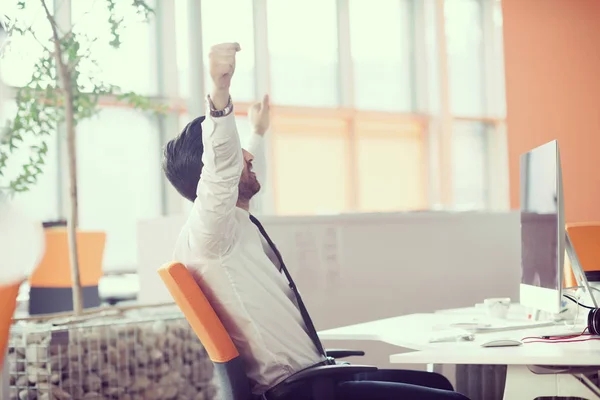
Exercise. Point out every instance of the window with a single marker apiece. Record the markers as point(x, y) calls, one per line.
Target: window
point(244, 130)
point(119, 179)
point(130, 67)
point(465, 57)
point(41, 201)
point(391, 166)
point(498, 58)
point(470, 164)
point(303, 52)
point(382, 54)
point(237, 26)
point(310, 165)
point(22, 52)
point(182, 40)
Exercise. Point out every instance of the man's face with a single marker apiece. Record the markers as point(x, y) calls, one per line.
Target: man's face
point(249, 185)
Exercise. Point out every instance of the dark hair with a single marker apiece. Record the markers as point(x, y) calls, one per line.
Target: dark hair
point(182, 162)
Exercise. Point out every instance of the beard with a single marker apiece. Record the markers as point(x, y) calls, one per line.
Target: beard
point(248, 187)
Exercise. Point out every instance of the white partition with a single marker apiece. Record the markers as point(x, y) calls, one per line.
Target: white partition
point(360, 267)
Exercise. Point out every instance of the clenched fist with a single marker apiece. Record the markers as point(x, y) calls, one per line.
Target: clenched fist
point(222, 64)
point(259, 115)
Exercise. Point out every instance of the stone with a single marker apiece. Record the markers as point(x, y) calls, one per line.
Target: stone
point(134, 357)
point(35, 355)
point(117, 392)
point(60, 394)
point(22, 381)
point(37, 375)
point(92, 383)
point(27, 394)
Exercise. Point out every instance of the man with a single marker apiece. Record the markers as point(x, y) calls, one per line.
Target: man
point(232, 259)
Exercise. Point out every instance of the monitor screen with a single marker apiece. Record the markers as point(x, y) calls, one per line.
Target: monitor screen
point(539, 217)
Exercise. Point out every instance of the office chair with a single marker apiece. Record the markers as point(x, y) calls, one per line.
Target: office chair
point(228, 365)
point(8, 304)
point(585, 237)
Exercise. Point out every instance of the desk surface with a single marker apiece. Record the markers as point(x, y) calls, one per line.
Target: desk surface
point(527, 354)
point(414, 332)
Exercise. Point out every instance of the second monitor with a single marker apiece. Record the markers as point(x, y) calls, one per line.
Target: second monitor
point(542, 229)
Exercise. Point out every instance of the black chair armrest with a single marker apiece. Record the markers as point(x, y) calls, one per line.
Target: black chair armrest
point(342, 353)
point(328, 371)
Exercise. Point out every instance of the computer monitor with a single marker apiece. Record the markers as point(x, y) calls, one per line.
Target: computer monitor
point(542, 229)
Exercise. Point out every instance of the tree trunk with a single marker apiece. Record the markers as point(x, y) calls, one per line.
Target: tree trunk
point(65, 83)
point(73, 220)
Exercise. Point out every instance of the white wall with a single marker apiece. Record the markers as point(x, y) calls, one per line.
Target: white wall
point(386, 265)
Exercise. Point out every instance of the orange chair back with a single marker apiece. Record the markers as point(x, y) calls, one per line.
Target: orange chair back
point(586, 241)
point(54, 269)
point(228, 365)
point(8, 304)
point(199, 313)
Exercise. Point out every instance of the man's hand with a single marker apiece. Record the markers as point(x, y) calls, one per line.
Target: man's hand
point(260, 116)
point(221, 67)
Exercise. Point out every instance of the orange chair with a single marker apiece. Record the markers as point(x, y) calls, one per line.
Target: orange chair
point(51, 285)
point(8, 304)
point(228, 365)
point(586, 241)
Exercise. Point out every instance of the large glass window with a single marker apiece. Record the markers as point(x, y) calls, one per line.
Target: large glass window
point(182, 41)
point(464, 44)
point(381, 53)
point(392, 166)
point(470, 164)
point(303, 52)
point(498, 59)
point(321, 159)
point(132, 66)
point(41, 201)
point(119, 179)
point(310, 165)
point(237, 27)
point(23, 51)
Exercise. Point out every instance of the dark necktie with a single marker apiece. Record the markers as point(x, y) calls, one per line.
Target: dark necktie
point(312, 332)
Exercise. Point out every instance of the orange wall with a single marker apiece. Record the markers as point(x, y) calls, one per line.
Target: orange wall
point(552, 57)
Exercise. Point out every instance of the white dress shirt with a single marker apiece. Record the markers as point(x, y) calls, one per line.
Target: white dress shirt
point(225, 251)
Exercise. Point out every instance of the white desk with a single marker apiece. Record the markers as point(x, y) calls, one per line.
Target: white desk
point(414, 331)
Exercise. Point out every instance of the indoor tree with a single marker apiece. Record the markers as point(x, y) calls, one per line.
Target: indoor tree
point(62, 92)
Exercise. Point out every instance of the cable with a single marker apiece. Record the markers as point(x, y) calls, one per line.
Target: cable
point(578, 303)
point(593, 329)
point(576, 337)
point(539, 340)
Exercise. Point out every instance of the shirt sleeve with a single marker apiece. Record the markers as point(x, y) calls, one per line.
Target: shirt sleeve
point(211, 226)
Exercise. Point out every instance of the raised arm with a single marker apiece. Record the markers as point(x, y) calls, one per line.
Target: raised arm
point(260, 120)
point(212, 224)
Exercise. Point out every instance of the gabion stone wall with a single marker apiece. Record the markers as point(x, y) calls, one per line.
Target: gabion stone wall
point(129, 358)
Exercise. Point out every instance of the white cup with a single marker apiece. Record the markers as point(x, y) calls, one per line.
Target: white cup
point(497, 307)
